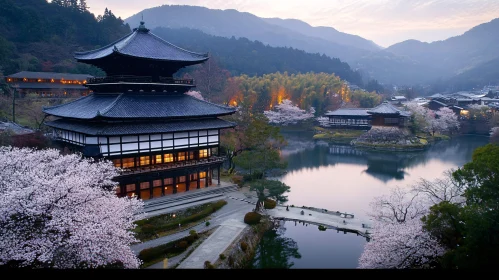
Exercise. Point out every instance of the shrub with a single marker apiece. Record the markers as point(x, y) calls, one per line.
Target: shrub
point(269, 203)
point(182, 244)
point(192, 232)
point(244, 246)
point(207, 223)
point(322, 228)
point(222, 256)
point(252, 218)
point(208, 265)
point(238, 180)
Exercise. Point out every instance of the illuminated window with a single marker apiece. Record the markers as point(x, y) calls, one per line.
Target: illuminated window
point(144, 161)
point(203, 153)
point(51, 80)
point(39, 80)
point(130, 188)
point(159, 158)
point(181, 179)
point(168, 181)
point(168, 158)
point(144, 185)
point(191, 155)
point(202, 175)
point(156, 183)
point(128, 162)
point(181, 156)
point(117, 162)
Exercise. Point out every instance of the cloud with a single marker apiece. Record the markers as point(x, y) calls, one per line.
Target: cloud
point(383, 21)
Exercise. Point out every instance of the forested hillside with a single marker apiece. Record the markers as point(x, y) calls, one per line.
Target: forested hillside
point(39, 36)
point(253, 58)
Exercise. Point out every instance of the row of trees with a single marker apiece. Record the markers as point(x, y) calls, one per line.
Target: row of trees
point(451, 222)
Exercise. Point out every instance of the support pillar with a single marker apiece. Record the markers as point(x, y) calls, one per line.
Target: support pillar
point(174, 184)
point(218, 173)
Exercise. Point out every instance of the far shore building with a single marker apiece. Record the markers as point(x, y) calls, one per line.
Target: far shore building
point(384, 114)
point(140, 117)
point(49, 84)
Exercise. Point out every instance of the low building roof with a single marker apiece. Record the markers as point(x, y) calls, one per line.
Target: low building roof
point(15, 128)
point(387, 108)
point(134, 128)
point(50, 75)
point(349, 112)
point(138, 105)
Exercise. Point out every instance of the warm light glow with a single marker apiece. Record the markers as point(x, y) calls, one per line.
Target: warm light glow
point(85, 81)
point(39, 80)
point(173, 215)
point(464, 112)
point(51, 80)
point(24, 79)
point(9, 79)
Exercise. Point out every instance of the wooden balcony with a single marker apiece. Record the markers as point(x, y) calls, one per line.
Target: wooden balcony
point(172, 165)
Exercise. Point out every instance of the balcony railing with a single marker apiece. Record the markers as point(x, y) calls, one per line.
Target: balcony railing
point(138, 79)
point(172, 165)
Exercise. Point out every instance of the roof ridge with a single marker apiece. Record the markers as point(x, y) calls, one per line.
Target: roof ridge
point(110, 106)
point(175, 46)
point(106, 46)
point(63, 104)
point(211, 103)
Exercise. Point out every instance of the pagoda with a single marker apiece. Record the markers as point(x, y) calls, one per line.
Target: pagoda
point(140, 117)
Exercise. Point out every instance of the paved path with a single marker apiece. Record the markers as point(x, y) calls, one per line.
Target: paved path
point(228, 223)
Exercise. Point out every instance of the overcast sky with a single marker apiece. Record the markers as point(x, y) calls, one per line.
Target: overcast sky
point(385, 22)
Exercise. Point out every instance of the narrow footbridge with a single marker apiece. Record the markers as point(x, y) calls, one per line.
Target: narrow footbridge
point(329, 219)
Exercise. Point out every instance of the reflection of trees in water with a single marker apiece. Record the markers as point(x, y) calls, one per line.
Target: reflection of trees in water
point(382, 165)
point(275, 250)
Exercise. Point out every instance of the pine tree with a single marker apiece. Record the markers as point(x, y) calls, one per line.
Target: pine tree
point(83, 6)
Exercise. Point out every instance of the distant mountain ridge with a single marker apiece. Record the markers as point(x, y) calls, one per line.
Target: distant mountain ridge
point(410, 62)
point(274, 32)
point(424, 62)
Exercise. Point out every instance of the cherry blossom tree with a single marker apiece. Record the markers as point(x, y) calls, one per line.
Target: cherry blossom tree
point(61, 211)
point(286, 113)
point(195, 93)
point(448, 119)
point(494, 134)
point(398, 239)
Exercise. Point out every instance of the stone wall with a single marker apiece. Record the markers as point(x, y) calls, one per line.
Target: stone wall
point(235, 257)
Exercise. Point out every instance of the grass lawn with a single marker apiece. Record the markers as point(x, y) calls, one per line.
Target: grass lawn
point(166, 224)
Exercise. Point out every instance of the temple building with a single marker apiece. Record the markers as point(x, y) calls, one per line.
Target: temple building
point(140, 117)
point(384, 114)
point(49, 84)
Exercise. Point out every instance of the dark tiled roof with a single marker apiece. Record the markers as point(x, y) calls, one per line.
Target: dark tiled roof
point(349, 112)
point(49, 86)
point(132, 128)
point(50, 75)
point(142, 43)
point(386, 108)
point(132, 105)
point(438, 102)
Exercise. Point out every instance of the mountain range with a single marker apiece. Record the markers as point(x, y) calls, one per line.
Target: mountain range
point(405, 63)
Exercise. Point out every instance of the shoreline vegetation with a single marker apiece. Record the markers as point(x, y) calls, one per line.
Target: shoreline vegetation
point(379, 138)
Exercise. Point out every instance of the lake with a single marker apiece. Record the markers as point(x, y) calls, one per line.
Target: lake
point(343, 178)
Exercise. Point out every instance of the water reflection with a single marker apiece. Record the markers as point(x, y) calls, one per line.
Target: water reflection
point(343, 178)
point(303, 153)
point(275, 250)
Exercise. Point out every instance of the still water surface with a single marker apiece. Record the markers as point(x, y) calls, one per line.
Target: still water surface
point(342, 178)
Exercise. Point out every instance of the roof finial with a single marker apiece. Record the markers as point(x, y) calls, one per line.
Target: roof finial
point(142, 27)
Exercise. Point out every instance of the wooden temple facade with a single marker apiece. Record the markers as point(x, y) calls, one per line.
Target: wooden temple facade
point(141, 118)
point(49, 84)
point(384, 114)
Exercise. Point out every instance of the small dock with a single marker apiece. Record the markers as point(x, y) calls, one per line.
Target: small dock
point(330, 219)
